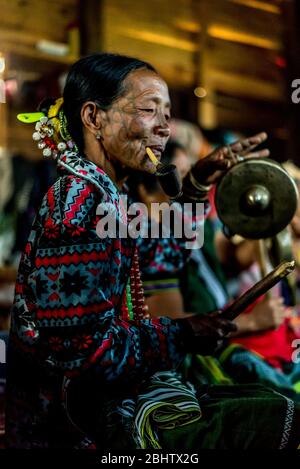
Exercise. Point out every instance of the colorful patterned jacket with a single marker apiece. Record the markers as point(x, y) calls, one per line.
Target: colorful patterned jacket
point(65, 317)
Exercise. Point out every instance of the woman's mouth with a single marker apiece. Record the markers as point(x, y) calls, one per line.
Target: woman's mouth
point(157, 150)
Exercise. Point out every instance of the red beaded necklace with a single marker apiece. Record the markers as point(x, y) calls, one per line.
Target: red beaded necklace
point(133, 301)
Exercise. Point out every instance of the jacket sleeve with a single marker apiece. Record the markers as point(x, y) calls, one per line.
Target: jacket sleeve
point(65, 309)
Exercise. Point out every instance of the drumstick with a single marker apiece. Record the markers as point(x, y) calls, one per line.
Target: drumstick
point(261, 287)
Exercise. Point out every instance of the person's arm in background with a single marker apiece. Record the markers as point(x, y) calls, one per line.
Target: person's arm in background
point(269, 313)
point(165, 298)
point(235, 257)
point(211, 328)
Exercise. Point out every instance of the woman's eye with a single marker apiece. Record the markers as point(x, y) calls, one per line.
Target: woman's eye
point(147, 110)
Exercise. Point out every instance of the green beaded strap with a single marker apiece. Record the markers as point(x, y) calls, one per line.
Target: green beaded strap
point(129, 301)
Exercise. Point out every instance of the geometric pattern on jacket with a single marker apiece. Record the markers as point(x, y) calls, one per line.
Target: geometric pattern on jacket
point(65, 316)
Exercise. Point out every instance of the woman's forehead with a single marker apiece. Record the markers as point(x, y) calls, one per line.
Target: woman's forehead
point(146, 83)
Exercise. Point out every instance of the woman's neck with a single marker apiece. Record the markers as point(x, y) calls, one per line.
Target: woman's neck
point(113, 168)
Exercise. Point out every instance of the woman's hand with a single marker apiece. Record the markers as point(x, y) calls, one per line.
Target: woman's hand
point(206, 333)
point(211, 168)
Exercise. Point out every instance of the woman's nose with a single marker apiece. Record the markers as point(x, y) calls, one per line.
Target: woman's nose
point(162, 129)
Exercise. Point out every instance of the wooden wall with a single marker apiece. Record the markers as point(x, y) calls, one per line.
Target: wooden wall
point(234, 49)
point(23, 23)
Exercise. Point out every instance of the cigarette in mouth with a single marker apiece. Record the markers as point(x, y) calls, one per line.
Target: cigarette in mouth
point(152, 157)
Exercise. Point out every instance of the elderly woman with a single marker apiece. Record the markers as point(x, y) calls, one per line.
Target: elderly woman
point(81, 347)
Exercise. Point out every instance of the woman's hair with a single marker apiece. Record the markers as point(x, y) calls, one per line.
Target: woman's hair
point(98, 78)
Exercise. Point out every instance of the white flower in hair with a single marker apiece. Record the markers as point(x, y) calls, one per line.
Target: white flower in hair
point(51, 132)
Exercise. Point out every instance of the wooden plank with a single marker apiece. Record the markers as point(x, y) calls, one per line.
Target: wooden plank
point(150, 32)
point(244, 60)
point(166, 33)
point(91, 27)
point(46, 19)
point(247, 20)
point(243, 85)
point(35, 55)
point(270, 6)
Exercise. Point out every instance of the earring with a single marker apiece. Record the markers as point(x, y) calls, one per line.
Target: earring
point(98, 135)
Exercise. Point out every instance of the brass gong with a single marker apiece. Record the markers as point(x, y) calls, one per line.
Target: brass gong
point(256, 199)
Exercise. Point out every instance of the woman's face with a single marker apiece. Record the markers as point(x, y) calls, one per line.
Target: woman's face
point(136, 120)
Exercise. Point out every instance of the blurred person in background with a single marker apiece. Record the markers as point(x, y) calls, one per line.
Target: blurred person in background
point(261, 349)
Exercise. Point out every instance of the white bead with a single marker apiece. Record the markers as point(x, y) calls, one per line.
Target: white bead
point(61, 146)
point(47, 152)
point(44, 120)
point(38, 126)
point(41, 145)
point(48, 130)
point(36, 136)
